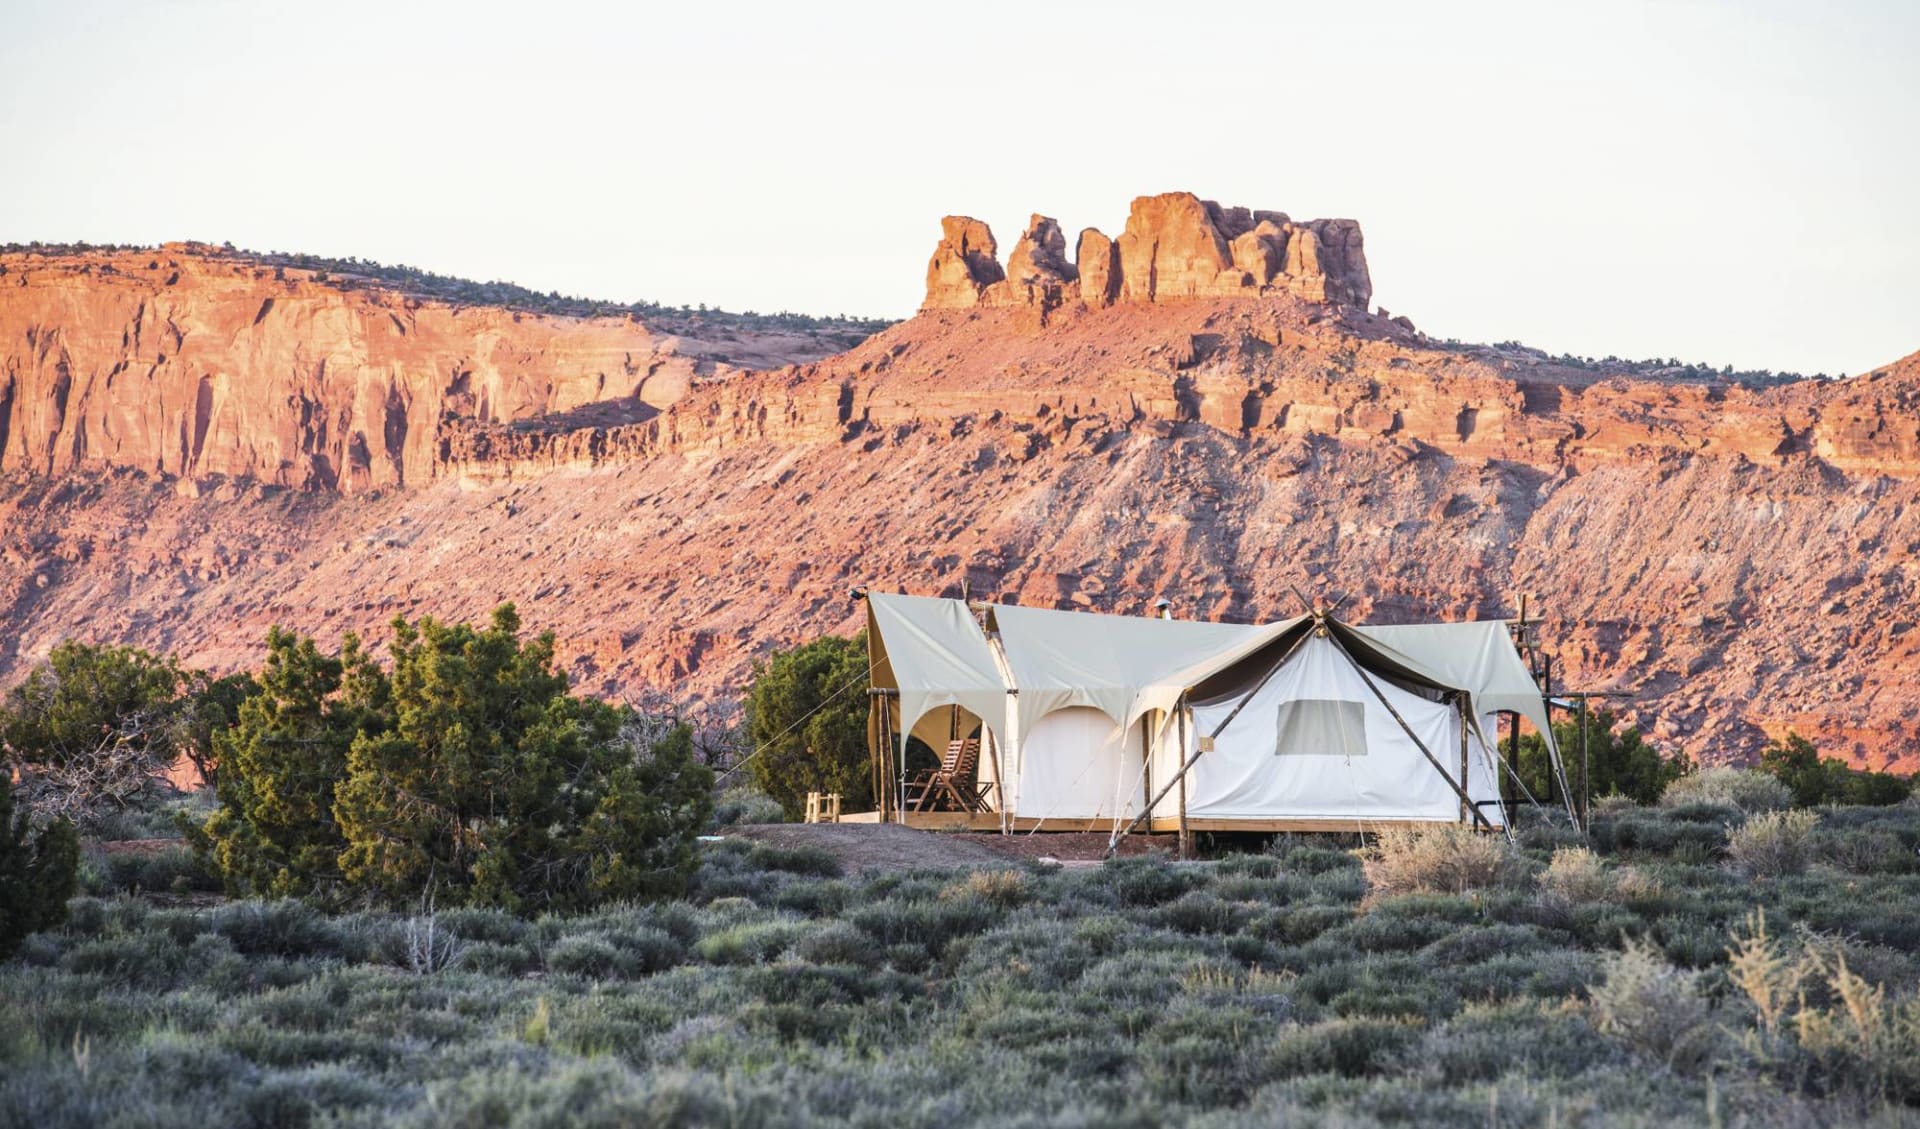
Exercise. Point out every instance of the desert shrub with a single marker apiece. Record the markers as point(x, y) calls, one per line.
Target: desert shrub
point(1774, 844)
point(1298, 857)
point(472, 923)
point(145, 959)
point(1741, 788)
point(1301, 923)
point(1353, 1048)
point(1200, 911)
point(1389, 932)
point(1542, 1040)
point(1003, 888)
point(838, 943)
point(1147, 881)
point(807, 724)
point(1444, 858)
point(742, 804)
point(1817, 1020)
point(1574, 875)
point(1664, 831)
point(750, 943)
point(932, 923)
point(1866, 851)
point(174, 869)
point(592, 957)
point(283, 928)
point(814, 862)
point(1653, 1007)
point(815, 899)
point(489, 958)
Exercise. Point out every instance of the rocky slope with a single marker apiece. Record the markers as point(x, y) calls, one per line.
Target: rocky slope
point(1742, 559)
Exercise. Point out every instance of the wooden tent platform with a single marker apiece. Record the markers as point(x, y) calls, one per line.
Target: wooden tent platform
point(990, 821)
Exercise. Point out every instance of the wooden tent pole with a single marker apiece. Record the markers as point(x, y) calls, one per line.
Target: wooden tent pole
point(999, 779)
point(1182, 723)
point(1466, 805)
point(1147, 732)
point(875, 703)
point(885, 790)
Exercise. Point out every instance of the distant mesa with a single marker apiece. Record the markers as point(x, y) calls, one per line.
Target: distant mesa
point(1175, 246)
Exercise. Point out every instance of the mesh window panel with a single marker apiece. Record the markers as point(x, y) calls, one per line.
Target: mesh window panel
point(1321, 727)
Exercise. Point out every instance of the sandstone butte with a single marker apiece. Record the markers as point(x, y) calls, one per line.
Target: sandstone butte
point(1201, 408)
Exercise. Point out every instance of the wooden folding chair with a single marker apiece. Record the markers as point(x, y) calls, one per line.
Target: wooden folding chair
point(951, 782)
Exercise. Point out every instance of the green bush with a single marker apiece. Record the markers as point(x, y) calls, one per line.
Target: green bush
point(39, 871)
point(1619, 761)
point(1815, 780)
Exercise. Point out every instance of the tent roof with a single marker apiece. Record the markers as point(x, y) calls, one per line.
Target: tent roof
point(1478, 656)
point(934, 653)
point(1122, 665)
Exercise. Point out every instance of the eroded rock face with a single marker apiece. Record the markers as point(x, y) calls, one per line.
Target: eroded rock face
point(963, 265)
point(1038, 273)
point(1098, 261)
point(188, 363)
point(1175, 247)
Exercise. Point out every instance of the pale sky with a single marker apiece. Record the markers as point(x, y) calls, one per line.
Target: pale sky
point(1721, 182)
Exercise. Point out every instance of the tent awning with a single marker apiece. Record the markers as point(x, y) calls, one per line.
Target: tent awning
point(933, 652)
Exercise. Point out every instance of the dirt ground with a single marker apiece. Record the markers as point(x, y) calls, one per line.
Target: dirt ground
point(888, 846)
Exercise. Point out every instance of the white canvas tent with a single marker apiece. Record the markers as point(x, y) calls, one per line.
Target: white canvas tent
point(1088, 718)
point(1332, 729)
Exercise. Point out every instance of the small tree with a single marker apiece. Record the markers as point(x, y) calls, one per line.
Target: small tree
point(1619, 762)
point(92, 727)
point(1817, 780)
point(495, 786)
point(280, 764)
point(37, 873)
point(807, 723)
point(209, 707)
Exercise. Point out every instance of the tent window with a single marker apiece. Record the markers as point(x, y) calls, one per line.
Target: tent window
point(1320, 727)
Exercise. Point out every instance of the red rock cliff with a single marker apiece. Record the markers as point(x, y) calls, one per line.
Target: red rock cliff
point(187, 363)
point(1175, 246)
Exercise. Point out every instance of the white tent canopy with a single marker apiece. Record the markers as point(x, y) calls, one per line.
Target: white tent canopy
point(1477, 656)
point(934, 653)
